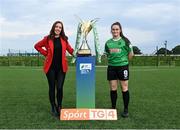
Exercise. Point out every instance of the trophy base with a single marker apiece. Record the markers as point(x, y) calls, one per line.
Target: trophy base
point(84, 53)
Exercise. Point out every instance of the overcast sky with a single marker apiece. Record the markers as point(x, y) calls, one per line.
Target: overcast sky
point(147, 23)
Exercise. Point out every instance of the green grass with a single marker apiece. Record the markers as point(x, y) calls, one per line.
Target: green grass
point(154, 103)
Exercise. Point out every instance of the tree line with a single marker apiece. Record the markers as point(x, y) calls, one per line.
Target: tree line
point(175, 50)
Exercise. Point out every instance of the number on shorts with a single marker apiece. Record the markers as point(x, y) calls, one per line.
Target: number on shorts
point(125, 73)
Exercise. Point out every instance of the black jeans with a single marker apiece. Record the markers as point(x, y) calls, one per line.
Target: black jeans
point(55, 80)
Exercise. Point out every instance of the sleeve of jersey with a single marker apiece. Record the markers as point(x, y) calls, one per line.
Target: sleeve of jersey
point(130, 48)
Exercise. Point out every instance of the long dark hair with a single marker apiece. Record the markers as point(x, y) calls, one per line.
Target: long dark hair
point(121, 33)
point(62, 34)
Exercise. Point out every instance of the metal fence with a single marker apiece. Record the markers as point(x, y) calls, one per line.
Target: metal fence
point(38, 60)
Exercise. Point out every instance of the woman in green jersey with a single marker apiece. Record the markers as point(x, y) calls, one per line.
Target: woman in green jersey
point(119, 51)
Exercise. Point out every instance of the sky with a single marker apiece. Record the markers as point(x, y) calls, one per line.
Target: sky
point(146, 23)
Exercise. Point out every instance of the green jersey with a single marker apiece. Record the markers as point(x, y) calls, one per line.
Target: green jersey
point(117, 52)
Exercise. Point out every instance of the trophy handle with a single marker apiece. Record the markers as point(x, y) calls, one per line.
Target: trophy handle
point(96, 42)
point(78, 38)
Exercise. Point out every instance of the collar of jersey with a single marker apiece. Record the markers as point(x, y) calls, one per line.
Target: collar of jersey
point(116, 39)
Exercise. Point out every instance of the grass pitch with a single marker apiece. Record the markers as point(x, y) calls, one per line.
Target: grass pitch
point(154, 99)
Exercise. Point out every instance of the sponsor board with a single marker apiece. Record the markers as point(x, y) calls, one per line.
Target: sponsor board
point(88, 114)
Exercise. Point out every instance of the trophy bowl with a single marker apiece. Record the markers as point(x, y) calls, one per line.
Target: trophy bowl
point(84, 50)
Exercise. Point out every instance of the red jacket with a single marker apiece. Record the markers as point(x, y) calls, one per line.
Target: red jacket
point(46, 48)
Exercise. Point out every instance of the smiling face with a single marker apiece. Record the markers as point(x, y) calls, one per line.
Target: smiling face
point(115, 30)
point(57, 29)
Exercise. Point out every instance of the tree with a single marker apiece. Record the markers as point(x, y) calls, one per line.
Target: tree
point(176, 50)
point(163, 50)
point(136, 50)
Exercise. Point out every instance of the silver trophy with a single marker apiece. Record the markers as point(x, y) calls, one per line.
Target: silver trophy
point(84, 27)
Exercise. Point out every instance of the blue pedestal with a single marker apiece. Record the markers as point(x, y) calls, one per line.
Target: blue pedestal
point(85, 82)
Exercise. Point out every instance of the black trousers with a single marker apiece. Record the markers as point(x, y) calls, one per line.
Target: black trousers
point(55, 80)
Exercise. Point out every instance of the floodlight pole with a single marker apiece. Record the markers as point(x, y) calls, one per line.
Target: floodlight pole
point(157, 61)
point(165, 44)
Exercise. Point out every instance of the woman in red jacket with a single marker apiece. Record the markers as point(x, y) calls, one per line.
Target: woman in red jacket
point(54, 47)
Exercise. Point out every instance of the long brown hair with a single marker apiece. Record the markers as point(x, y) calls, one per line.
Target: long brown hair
point(62, 34)
point(121, 33)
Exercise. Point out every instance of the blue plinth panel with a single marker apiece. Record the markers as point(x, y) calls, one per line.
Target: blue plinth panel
point(85, 82)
